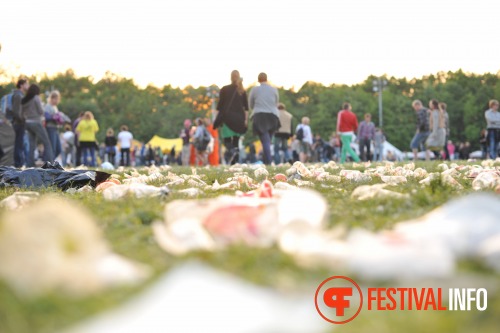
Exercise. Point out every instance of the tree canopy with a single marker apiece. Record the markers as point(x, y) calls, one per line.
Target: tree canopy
point(116, 100)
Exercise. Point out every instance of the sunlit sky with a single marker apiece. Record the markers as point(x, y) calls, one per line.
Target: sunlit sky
point(199, 42)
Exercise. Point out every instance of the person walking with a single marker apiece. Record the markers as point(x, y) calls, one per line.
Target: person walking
point(213, 155)
point(125, 138)
point(264, 101)
point(283, 134)
point(366, 132)
point(186, 139)
point(451, 149)
point(51, 113)
point(201, 139)
point(18, 122)
point(68, 146)
point(347, 124)
point(422, 130)
point(232, 116)
point(87, 129)
point(378, 145)
point(110, 146)
point(493, 127)
point(303, 135)
point(32, 112)
point(443, 107)
point(437, 137)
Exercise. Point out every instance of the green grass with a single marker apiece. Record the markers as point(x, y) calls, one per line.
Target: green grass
point(126, 226)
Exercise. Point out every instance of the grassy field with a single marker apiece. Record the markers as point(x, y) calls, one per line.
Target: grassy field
point(126, 225)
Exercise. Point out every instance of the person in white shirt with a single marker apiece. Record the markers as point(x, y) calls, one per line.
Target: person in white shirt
point(125, 139)
point(68, 146)
point(306, 139)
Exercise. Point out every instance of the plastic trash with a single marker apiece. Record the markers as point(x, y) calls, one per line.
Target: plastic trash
point(392, 256)
point(54, 245)
point(107, 166)
point(18, 200)
point(191, 192)
point(393, 180)
point(420, 173)
point(366, 192)
point(50, 175)
point(280, 177)
point(355, 175)
point(252, 220)
point(174, 292)
point(489, 251)
point(138, 190)
point(486, 180)
point(261, 172)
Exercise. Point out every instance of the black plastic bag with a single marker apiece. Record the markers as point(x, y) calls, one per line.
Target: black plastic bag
point(50, 175)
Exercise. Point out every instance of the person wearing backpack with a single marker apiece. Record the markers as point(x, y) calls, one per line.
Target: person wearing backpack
point(304, 135)
point(18, 122)
point(201, 139)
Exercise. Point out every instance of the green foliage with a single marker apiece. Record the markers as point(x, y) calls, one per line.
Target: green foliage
point(147, 111)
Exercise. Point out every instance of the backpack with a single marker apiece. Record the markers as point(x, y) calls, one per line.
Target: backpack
point(202, 143)
point(299, 135)
point(6, 107)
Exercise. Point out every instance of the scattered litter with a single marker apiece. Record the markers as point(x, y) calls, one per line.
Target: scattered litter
point(191, 192)
point(136, 189)
point(393, 180)
point(173, 294)
point(107, 166)
point(486, 180)
point(355, 175)
point(366, 192)
point(254, 221)
point(54, 245)
point(18, 200)
point(261, 172)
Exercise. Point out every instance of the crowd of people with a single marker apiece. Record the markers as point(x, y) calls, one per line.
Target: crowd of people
point(43, 133)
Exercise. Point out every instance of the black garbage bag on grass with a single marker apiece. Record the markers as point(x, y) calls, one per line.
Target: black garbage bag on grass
point(50, 175)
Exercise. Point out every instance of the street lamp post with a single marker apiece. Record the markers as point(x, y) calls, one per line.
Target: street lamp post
point(378, 86)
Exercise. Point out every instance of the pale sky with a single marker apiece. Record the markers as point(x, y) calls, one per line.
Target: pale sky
point(199, 42)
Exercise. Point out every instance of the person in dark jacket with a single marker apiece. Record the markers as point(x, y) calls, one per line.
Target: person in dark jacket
point(110, 142)
point(233, 116)
point(18, 122)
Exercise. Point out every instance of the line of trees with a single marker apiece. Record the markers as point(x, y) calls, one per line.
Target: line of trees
point(116, 100)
